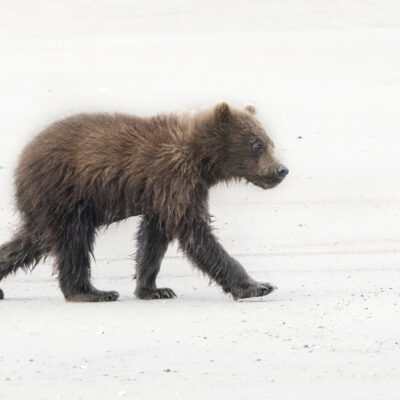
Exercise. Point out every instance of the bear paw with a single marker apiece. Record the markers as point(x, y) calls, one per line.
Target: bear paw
point(152, 294)
point(94, 296)
point(255, 289)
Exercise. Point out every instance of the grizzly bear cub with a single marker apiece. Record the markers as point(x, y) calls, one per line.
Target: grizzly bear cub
point(90, 170)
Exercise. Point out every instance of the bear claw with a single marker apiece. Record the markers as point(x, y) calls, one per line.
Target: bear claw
point(255, 289)
point(155, 294)
point(95, 296)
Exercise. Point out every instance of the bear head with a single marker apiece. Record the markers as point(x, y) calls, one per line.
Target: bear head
point(248, 151)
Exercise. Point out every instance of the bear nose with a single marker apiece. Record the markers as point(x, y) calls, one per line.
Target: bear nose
point(281, 171)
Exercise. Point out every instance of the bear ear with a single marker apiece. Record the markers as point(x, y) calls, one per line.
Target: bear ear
point(222, 112)
point(250, 108)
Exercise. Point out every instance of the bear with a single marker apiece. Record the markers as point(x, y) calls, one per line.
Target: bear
point(88, 171)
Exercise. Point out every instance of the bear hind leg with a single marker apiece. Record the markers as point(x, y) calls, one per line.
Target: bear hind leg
point(24, 251)
point(75, 246)
point(73, 264)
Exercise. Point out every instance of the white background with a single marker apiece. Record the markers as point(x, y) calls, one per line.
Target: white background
point(328, 237)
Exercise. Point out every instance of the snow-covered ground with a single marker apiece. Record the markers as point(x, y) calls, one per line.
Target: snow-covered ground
point(325, 78)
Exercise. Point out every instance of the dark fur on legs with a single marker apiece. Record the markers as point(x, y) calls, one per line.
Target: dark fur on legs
point(210, 257)
point(75, 246)
point(72, 236)
point(23, 251)
point(152, 244)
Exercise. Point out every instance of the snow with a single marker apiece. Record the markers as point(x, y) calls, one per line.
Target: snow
point(325, 79)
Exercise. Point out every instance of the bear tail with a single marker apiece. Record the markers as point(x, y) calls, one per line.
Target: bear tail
point(20, 252)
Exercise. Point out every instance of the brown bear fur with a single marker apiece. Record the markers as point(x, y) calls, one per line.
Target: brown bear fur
point(91, 170)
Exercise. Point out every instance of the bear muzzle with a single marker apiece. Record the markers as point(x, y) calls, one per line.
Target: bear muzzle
point(274, 177)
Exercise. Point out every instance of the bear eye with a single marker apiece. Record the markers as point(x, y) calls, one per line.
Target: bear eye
point(258, 147)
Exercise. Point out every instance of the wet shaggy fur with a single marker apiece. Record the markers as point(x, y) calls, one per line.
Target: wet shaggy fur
point(91, 170)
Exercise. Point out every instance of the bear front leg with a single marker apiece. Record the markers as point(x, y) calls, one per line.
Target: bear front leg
point(204, 250)
point(152, 244)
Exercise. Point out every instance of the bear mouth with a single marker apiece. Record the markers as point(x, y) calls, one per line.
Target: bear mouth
point(266, 182)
